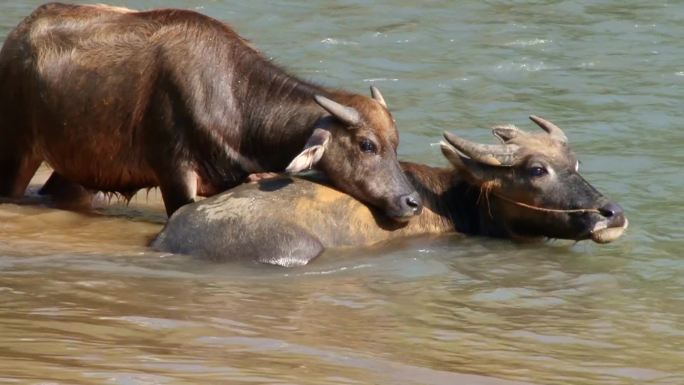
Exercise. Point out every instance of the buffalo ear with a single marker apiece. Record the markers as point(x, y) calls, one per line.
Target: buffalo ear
point(312, 153)
point(475, 172)
point(452, 154)
point(505, 133)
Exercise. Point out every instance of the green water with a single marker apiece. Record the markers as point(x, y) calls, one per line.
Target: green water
point(84, 302)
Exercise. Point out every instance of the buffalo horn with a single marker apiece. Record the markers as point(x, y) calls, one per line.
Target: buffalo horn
point(375, 92)
point(348, 115)
point(550, 128)
point(491, 154)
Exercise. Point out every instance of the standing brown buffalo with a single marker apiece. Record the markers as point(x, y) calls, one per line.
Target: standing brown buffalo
point(119, 100)
point(526, 187)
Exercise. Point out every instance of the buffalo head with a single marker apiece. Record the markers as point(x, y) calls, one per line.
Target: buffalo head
point(532, 186)
point(356, 146)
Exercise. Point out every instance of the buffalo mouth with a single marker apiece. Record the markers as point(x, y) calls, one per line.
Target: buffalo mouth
point(403, 216)
point(586, 226)
point(603, 233)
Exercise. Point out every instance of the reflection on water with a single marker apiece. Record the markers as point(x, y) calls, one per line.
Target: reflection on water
point(84, 301)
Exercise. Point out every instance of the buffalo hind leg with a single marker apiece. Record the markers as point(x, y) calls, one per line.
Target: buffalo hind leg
point(16, 171)
point(65, 193)
point(287, 246)
point(177, 189)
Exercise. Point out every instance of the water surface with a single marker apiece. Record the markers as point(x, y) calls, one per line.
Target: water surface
point(85, 302)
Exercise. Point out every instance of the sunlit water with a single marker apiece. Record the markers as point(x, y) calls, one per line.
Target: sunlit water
point(83, 301)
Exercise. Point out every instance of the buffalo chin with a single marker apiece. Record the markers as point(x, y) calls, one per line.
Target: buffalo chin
point(603, 234)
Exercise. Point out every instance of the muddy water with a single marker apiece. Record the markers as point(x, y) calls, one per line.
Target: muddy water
point(83, 301)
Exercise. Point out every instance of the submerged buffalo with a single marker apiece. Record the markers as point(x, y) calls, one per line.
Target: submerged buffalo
point(526, 187)
point(118, 100)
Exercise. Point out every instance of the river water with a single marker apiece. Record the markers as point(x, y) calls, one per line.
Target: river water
point(83, 301)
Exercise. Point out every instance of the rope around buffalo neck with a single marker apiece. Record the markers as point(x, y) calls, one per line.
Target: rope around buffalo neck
point(525, 205)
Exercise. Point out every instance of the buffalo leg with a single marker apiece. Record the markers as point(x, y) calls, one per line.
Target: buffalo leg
point(178, 189)
point(293, 246)
point(16, 171)
point(66, 192)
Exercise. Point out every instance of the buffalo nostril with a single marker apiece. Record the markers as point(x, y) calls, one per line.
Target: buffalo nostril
point(610, 210)
point(412, 202)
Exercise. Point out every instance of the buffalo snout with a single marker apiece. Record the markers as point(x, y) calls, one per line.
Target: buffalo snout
point(612, 225)
point(406, 207)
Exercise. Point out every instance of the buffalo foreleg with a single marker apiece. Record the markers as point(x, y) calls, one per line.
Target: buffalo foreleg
point(178, 188)
point(16, 170)
point(259, 176)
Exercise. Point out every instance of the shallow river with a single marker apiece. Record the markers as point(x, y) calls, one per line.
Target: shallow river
point(83, 301)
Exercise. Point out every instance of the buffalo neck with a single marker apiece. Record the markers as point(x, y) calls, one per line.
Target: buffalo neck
point(278, 111)
point(450, 202)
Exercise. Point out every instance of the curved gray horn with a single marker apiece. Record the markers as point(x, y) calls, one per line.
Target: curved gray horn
point(550, 128)
point(346, 114)
point(491, 154)
point(375, 92)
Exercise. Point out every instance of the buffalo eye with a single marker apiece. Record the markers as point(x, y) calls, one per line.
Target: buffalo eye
point(537, 171)
point(367, 146)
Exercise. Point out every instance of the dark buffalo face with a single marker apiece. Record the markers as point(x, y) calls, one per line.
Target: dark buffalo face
point(356, 146)
point(532, 185)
